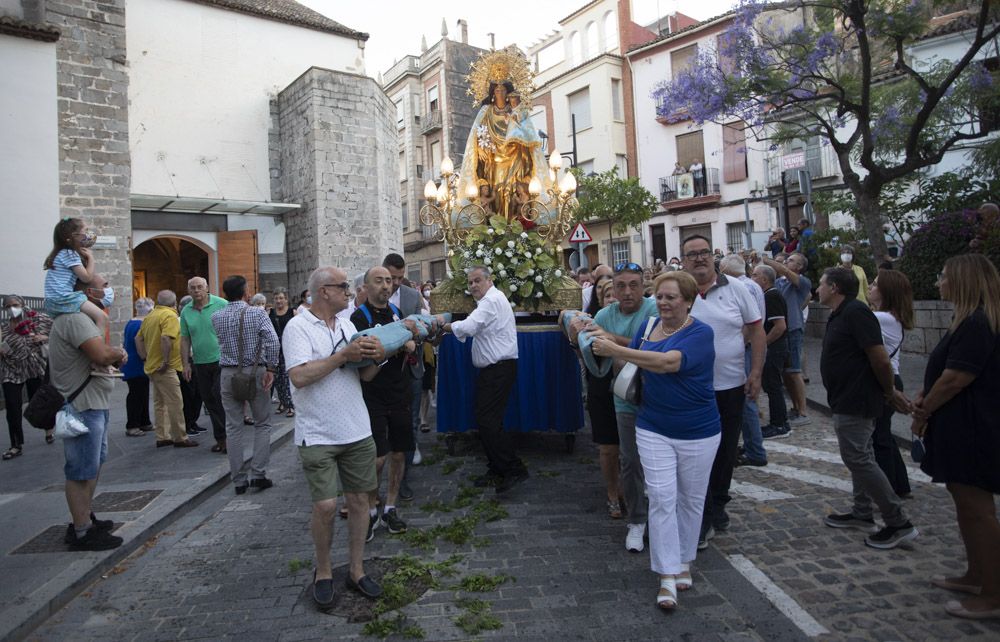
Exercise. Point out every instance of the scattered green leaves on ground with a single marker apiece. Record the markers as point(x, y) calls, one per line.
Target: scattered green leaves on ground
point(548, 473)
point(477, 617)
point(383, 628)
point(451, 466)
point(482, 583)
point(295, 565)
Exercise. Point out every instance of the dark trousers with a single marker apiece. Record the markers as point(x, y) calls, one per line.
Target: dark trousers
point(14, 402)
point(192, 400)
point(493, 388)
point(137, 403)
point(730, 403)
point(770, 381)
point(887, 452)
point(207, 376)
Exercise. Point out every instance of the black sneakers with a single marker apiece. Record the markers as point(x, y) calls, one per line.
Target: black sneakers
point(373, 523)
point(892, 536)
point(848, 520)
point(509, 481)
point(93, 540)
point(262, 483)
point(392, 522)
point(103, 525)
point(775, 432)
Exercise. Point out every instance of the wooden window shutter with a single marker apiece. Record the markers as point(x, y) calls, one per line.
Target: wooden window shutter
point(689, 148)
point(734, 155)
point(238, 255)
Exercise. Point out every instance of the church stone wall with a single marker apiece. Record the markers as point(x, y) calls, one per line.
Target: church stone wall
point(338, 158)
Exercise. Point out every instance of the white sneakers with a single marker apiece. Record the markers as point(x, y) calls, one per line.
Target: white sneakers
point(633, 540)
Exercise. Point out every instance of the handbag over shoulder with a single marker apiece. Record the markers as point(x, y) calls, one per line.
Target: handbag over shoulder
point(244, 384)
point(628, 383)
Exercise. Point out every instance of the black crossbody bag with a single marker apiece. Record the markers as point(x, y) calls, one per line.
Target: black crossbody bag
point(47, 402)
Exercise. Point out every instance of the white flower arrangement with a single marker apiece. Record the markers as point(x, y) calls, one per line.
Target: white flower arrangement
point(483, 138)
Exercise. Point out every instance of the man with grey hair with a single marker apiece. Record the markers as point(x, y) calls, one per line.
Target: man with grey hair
point(775, 327)
point(332, 427)
point(797, 291)
point(200, 354)
point(494, 354)
point(158, 343)
point(189, 389)
point(753, 442)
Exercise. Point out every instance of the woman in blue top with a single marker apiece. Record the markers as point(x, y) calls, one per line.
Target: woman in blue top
point(137, 421)
point(678, 427)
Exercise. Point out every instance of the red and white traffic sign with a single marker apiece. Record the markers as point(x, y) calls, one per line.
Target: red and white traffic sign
point(580, 234)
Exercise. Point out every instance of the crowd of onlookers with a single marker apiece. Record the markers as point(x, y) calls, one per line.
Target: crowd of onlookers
point(353, 362)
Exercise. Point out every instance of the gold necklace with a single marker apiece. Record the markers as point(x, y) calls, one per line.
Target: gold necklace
point(675, 330)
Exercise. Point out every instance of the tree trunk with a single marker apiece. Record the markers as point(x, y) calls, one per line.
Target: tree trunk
point(871, 222)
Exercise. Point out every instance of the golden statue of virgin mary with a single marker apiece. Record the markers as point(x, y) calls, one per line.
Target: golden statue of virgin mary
point(504, 151)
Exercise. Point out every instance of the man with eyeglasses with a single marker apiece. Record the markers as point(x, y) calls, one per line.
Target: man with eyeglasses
point(256, 348)
point(619, 322)
point(332, 426)
point(728, 307)
point(388, 397)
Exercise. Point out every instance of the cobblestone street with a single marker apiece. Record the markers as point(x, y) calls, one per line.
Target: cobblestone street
point(240, 567)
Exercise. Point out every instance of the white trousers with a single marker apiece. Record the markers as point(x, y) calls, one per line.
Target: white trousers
point(676, 472)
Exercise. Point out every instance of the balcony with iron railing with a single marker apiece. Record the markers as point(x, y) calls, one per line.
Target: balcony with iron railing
point(820, 160)
point(686, 191)
point(431, 121)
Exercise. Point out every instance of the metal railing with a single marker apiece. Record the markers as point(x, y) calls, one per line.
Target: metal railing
point(431, 121)
point(820, 160)
point(679, 187)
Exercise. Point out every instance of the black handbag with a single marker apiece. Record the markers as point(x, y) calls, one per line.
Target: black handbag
point(244, 384)
point(47, 402)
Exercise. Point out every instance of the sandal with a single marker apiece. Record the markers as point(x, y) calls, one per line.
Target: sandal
point(290, 413)
point(666, 598)
point(683, 579)
point(11, 453)
point(248, 421)
point(614, 509)
point(280, 409)
point(50, 438)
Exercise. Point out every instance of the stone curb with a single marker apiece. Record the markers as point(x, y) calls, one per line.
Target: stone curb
point(45, 601)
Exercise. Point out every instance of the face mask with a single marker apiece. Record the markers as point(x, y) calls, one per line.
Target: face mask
point(15, 312)
point(108, 298)
point(89, 239)
point(846, 258)
point(427, 294)
point(309, 299)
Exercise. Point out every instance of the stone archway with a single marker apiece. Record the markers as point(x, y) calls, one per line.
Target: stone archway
point(167, 262)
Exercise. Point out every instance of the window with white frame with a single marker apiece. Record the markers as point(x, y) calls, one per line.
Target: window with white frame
point(620, 252)
point(402, 166)
point(400, 113)
point(736, 236)
point(579, 106)
point(432, 99)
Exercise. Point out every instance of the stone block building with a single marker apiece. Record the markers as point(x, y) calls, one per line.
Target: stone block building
point(198, 137)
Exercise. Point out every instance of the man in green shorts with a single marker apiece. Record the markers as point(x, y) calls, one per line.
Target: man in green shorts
point(332, 427)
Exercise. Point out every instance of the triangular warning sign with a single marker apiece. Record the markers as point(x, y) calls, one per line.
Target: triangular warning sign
point(580, 234)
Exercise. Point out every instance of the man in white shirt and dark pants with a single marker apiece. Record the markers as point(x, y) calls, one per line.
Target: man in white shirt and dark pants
point(494, 354)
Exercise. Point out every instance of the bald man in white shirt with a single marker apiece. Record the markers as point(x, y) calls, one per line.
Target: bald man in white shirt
point(494, 354)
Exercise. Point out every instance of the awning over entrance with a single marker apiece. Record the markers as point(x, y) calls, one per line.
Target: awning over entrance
point(191, 205)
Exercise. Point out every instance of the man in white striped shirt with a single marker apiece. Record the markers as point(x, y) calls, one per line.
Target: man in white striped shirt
point(494, 354)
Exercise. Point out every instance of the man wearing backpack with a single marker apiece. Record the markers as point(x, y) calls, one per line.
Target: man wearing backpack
point(388, 397)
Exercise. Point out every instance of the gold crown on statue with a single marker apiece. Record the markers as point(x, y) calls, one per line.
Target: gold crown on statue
point(508, 64)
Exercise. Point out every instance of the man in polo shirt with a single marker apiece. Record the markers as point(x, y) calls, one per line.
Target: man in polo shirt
point(388, 397)
point(619, 322)
point(858, 378)
point(775, 327)
point(797, 290)
point(200, 353)
point(332, 427)
point(494, 354)
point(727, 306)
point(158, 342)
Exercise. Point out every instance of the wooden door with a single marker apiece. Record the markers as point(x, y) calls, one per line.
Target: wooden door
point(238, 255)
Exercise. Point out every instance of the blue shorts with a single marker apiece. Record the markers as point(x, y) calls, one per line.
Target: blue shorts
point(793, 362)
point(65, 303)
point(86, 453)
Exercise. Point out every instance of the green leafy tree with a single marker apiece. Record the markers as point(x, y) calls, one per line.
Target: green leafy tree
point(845, 71)
point(623, 202)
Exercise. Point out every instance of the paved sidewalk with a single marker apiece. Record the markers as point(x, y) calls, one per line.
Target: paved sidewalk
point(142, 487)
point(243, 571)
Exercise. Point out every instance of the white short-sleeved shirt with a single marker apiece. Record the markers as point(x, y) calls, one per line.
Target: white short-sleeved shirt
point(892, 337)
point(727, 307)
point(331, 411)
point(756, 292)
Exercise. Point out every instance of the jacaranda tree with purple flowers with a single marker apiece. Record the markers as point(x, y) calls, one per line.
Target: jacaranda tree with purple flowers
point(848, 72)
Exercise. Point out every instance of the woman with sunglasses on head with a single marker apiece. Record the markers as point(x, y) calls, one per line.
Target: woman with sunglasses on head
point(23, 362)
point(956, 414)
point(891, 298)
